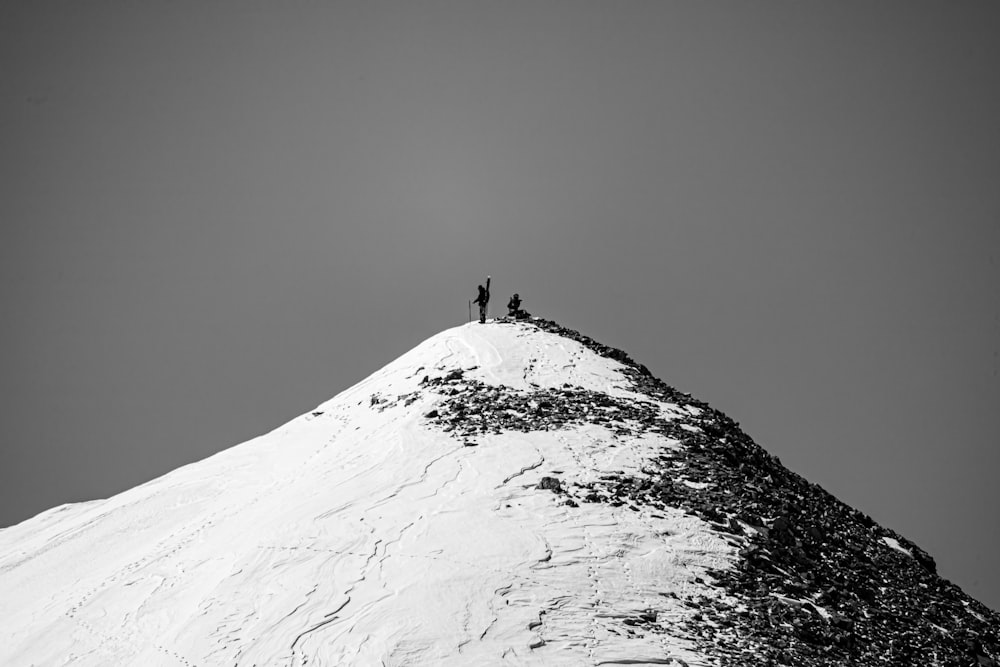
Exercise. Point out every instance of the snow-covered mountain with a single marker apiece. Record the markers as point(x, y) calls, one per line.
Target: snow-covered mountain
point(508, 493)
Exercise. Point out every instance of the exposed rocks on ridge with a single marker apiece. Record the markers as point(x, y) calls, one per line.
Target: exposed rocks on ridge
point(818, 583)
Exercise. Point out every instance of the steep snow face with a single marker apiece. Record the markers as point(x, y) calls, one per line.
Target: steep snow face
point(364, 532)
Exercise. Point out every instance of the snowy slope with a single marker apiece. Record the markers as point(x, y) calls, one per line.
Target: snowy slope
point(365, 532)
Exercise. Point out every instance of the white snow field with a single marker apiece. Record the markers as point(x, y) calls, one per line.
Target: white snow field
point(361, 534)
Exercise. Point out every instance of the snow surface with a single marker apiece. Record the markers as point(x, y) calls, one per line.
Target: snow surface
point(893, 543)
point(361, 534)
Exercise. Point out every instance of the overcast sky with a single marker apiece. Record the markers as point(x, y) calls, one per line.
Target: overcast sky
point(216, 215)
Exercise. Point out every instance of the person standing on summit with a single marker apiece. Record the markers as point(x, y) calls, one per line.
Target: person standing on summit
point(482, 300)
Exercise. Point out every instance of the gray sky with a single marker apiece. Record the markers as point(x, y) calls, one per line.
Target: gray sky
point(216, 215)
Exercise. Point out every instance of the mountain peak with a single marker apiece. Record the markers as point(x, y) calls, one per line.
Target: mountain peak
point(508, 492)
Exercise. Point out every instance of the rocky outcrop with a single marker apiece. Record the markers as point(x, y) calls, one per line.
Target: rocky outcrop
point(818, 583)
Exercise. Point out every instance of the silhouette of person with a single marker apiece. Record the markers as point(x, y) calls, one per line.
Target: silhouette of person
point(513, 305)
point(482, 300)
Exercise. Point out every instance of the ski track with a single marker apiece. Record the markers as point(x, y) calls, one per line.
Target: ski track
point(357, 534)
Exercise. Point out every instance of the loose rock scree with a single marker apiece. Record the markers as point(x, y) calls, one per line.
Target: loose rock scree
point(817, 583)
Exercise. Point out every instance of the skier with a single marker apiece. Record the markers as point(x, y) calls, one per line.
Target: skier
point(513, 305)
point(482, 300)
point(514, 308)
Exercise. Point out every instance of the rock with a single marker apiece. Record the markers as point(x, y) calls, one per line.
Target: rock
point(551, 484)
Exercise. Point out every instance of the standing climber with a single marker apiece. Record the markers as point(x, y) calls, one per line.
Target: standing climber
point(482, 300)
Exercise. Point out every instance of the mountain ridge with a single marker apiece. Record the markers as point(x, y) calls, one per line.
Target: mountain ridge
point(806, 542)
point(544, 496)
